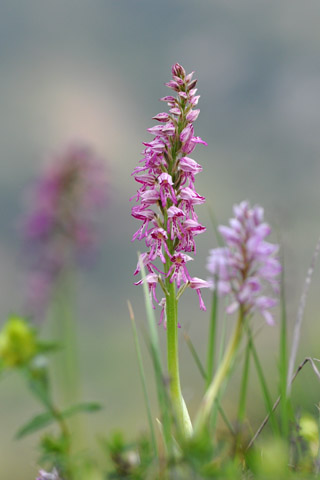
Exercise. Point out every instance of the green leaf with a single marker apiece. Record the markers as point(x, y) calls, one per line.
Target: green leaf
point(36, 423)
point(44, 419)
point(39, 386)
point(88, 407)
point(48, 347)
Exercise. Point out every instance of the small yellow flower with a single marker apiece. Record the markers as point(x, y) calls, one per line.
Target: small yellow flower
point(17, 342)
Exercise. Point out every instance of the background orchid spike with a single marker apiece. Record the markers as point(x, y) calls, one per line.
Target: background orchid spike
point(167, 194)
point(60, 228)
point(247, 266)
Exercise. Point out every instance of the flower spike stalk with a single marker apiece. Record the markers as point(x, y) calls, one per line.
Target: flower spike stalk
point(243, 269)
point(166, 201)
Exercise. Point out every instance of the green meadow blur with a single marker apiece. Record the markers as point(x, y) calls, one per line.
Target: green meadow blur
point(94, 71)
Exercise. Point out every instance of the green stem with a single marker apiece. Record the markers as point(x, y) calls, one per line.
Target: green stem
point(67, 336)
point(263, 383)
point(283, 363)
point(244, 385)
point(62, 424)
point(157, 364)
point(204, 376)
point(215, 408)
point(67, 364)
point(243, 397)
point(143, 381)
point(40, 388)
point(212, 339)
point(179, 406)
point(223, 370)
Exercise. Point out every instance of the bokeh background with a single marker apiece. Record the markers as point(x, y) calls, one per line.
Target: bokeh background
point(74, 69)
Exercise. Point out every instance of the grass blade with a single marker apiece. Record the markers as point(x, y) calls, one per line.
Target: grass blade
point(263, 383)
point(215, 409)
point(244, 385)
point(143, 378)
point(157, 365)
point(302, 304)
point(36, 423)
point(212, 338)
point(195, 356)
point(203, 374)
point(283, 362)
point(276, 403)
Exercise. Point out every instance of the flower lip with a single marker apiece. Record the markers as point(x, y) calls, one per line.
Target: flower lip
point(161, 117)
point(189, 165)
point(174, 211)
point(196, 283)
point(191, 196)
point(193, 115)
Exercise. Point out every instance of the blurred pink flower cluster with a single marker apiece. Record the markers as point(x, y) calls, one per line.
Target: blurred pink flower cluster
point(247, 265)
point(60, 228)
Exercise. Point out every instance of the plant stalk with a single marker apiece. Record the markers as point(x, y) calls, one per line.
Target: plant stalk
point(212, 339)
point(210, 396)
point(179, 405)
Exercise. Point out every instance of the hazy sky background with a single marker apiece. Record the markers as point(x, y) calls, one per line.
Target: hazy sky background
point(94, 71)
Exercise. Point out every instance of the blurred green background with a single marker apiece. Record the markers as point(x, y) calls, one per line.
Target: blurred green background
point(94, 70)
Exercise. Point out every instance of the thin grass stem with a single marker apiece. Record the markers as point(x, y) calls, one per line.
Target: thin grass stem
point(276, 403)
point(215, 408)
point(65, 327)
point(203, 374)
point(263, 383)
point(195, 356)
point(283, 362)
point(244, 386)
point(317, 466)
point(157, 365)
point(143, 379)
point(298, 324)
point(202, 418)
point(212, 339)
